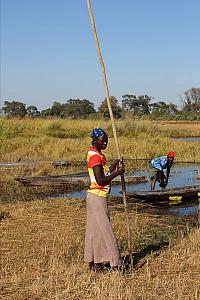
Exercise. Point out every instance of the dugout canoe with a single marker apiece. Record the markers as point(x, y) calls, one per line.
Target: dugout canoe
point(78, 179)
point(177, 194)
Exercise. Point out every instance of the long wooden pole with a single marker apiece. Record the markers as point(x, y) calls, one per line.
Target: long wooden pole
point(112, 120)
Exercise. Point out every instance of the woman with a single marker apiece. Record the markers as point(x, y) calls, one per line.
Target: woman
point(100, 242)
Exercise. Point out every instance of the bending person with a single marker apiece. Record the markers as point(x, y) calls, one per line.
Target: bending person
point(100, 242)
point(156, 167)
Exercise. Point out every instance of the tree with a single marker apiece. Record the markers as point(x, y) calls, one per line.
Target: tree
point(1, 112)
point(32, 111)
point(14, 109)
point(46, 112)
point(57, 109)
point(76, 108)
point(116, 109)
point(138, 105)
point(191, 100)
point(159, 109)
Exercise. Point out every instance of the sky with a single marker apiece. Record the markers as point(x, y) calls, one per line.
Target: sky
point(48, 52)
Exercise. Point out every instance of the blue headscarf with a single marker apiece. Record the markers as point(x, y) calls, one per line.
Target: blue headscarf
point(97, 133)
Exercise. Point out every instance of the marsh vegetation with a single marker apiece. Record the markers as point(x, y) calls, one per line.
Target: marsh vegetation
point(42, 239)
point(38, 139)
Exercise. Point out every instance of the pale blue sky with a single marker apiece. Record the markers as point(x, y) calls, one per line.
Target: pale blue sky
point(48, 51)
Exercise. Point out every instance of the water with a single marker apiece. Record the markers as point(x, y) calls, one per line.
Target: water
point(188, 139)
point(20, 163)
point(181, 175)
point(185, 211)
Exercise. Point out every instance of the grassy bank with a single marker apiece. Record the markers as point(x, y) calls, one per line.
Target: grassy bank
point(42, 240)
point(42, 255)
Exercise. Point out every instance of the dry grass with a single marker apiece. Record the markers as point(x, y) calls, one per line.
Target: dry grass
point(192, 127)
point(42, 241)
point(49, 140)
point(42, 256)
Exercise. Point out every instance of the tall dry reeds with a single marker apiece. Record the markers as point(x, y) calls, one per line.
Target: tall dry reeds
point(38, 139)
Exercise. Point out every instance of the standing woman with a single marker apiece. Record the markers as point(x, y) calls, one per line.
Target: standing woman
point(100, 242)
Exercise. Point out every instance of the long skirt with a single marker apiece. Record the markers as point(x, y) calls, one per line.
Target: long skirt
point(100, 242)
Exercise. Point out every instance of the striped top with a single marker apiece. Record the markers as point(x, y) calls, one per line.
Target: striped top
point(94, 158)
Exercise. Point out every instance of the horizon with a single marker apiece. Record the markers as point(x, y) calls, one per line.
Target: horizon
point(48, 52)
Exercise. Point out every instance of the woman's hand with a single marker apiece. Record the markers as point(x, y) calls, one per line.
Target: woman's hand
point(114, 165)
point(100, 176)
point(120, 167)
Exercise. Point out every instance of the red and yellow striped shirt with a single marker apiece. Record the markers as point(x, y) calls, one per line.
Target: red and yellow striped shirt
point(94, 158)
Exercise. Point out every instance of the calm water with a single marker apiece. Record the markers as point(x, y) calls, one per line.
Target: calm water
point(188, 139)
point(185, 211)
point(181, 175)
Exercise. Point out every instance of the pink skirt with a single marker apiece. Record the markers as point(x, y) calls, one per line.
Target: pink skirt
point(100, 242)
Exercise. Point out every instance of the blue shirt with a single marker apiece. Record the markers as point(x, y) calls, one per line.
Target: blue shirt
point(160, 163)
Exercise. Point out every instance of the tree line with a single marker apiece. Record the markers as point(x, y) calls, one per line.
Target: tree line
point(141, 105)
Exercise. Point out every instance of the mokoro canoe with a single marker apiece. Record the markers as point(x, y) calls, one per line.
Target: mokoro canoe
point(79, 179)
point(182, 193)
